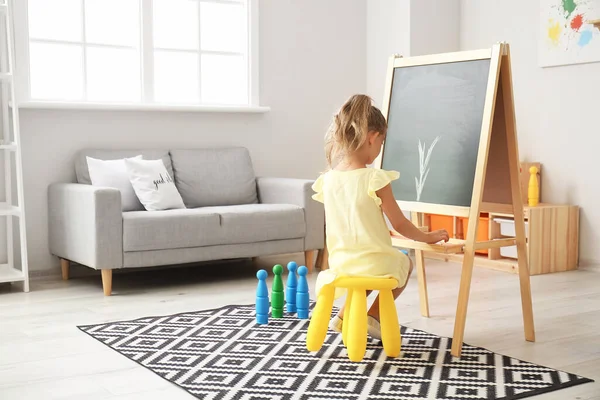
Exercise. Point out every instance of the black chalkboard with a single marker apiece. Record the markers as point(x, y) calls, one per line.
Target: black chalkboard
point(443, 101)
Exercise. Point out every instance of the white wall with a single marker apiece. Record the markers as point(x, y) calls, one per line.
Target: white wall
point(407, 28)
point(388, 33)
point(556, 109)
point(435, 26)
point(312, 56)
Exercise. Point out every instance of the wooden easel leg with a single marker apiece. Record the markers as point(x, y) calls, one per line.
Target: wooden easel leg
point(463, 302)
point(513, 159)
point(526, 302)
point(476, 200)
point(421, 278)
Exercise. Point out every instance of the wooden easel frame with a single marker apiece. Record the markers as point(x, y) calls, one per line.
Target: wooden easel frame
point(499, 86)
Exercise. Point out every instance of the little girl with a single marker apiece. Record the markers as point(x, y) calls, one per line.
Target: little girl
point(355, 198)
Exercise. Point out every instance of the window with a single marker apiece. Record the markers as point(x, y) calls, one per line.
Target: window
point(190, 52)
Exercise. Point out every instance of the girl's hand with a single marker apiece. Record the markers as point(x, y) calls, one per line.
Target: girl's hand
point(437, 236)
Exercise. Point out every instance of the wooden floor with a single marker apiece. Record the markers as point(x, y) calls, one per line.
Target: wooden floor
point(44, 356)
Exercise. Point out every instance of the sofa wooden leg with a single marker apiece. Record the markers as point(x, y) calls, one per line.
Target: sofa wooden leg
point(309, 260)
point(64, 266)
point(107, 281)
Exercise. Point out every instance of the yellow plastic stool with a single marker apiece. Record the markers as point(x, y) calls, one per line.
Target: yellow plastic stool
point(354, 327)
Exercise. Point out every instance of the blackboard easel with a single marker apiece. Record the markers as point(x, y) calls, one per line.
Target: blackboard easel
point(495, 181)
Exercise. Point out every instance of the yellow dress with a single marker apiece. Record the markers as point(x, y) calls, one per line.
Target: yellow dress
point(358, 238)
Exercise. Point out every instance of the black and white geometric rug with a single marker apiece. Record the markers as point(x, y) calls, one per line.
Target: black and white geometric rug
point(223, 354)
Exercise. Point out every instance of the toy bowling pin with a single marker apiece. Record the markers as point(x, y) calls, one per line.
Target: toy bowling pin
point(262, 298)
point(302, 296)
point(290, 289)
point(277, 293)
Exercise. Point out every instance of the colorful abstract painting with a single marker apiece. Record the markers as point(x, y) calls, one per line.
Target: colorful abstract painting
point(566, 36)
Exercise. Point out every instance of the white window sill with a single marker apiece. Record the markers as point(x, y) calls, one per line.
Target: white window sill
point(55, 105)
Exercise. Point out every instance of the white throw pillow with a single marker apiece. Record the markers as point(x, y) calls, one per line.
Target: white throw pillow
point(153, 185)
point(113, 173)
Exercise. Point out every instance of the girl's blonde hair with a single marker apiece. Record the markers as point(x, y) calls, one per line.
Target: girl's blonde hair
point(349, 128)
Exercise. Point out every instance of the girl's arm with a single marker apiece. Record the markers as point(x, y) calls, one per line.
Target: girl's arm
point(401, 224)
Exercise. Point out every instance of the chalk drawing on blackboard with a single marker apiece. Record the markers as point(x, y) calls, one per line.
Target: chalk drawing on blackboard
point(423, 166)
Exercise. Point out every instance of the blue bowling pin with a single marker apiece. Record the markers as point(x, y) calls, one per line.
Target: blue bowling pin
point(262, 298)
point(290, 287)
point(302, 295)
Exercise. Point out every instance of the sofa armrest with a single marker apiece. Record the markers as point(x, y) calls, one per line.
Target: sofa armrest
point(298, 192)
point(85, 224)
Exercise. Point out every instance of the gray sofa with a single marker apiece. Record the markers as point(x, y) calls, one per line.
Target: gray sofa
point(229, 214)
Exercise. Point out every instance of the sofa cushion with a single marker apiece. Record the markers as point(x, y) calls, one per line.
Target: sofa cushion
point(209, 226)
point(152, 184)
point(250, 223)
point(81, 168)
point(214, 176)
point(113, 173)
point(169, 229)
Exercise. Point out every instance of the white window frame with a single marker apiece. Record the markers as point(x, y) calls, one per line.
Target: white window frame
point(22, 78)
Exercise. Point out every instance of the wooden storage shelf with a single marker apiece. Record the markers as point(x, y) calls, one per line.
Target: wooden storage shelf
point(552, 233)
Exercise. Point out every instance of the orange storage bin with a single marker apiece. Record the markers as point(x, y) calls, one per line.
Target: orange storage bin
point(482, 231)
point(437, 222)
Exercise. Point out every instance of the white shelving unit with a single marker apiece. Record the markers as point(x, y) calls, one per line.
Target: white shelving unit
point(10, 148)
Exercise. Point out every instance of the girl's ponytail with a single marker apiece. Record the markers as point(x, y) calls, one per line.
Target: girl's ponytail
point(349, 128)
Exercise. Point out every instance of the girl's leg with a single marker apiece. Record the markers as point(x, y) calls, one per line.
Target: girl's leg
point(340, 313)
point(374, 310)
point(337, 321)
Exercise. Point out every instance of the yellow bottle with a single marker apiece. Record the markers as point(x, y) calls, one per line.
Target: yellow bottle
point(533, 193)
